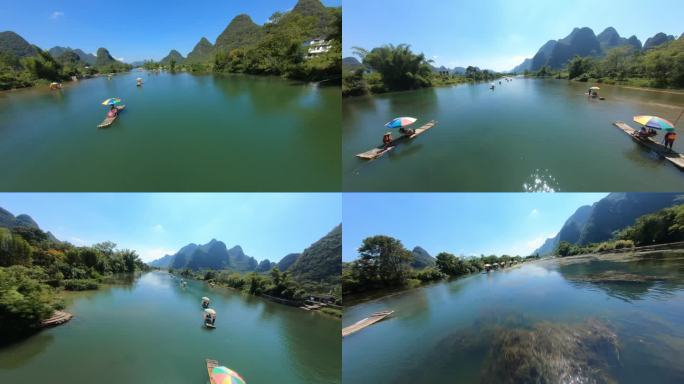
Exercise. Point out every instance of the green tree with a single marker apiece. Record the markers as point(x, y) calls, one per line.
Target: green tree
point(387, 257)
point(399, 67)
point(14, 250)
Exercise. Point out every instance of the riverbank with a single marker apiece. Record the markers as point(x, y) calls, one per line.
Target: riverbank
point(258, 285)
point(352, 299)
point(640, 84)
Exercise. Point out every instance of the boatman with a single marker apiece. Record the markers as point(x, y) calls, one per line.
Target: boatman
point(387, 139)
point(670, 138)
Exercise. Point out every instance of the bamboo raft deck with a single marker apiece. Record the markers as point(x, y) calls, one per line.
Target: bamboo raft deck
point(673, 157)
point(57, 318)
point(211, 364)
point(381, 150)
point(110, 120)
point(370, 320)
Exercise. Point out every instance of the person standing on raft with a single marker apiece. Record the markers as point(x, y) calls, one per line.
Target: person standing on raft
point(387, 140)
point(669, 139)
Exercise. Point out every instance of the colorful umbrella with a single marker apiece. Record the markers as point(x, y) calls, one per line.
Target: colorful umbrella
point(401, 122)
point(654, 122)
point(112, 101)
point(594, 88)
point(223, 375)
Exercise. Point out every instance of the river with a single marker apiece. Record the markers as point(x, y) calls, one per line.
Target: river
point(581, 320)
point(150, 331)
point(179, 132)
point(526, 135)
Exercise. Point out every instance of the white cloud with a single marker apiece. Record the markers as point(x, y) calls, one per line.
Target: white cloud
point(121, 59)
point(534, 212)
point(158, 228)
point(150, 254)
point(56, 15)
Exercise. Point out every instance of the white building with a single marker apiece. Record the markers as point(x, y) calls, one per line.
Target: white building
point(317, 47)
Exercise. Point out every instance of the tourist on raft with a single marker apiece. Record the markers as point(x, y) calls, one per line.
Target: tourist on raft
point(112, 111)
point(406, 131)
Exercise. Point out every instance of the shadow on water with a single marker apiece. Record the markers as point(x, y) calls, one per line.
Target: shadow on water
point(20, 356)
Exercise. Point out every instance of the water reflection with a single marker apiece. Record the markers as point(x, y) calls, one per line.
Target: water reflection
point(541, 180)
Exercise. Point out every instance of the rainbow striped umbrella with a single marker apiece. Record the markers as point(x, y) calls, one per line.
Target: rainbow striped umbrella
point(223, 375)
point(401, 122)
point(654, 122)
point(112, 101)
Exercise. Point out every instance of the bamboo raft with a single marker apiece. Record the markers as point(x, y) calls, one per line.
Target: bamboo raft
point(673, 157)
point(57, 318)
point(110, 120)
point(381, 150)
point(370, 320)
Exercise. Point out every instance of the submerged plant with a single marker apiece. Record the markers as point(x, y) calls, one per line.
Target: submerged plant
point(552, 353)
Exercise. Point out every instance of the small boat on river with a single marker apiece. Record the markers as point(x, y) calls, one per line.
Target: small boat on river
point(381, 150)
point(370, 320)
point(205, 302)
point(673, 157)
point(209, 318)
point(109, 120)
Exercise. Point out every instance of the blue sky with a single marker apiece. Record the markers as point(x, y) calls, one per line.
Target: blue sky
point(459, 223)
point(131, 30)
point(265, 225)
point(497, 34)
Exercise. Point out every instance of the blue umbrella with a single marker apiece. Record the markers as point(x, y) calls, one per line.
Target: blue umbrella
point(401, 122)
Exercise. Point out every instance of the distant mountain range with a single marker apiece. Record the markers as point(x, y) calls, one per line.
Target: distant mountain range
point(242, 31)
point(583, 42)
point(87, 58)
point(598, 222)
point(13, 44)
point(8, 220)
point(318, 263)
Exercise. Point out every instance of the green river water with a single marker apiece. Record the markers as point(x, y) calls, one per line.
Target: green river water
point(150, 331)
point(526, 135)
point(179, 132)
point(576, 320)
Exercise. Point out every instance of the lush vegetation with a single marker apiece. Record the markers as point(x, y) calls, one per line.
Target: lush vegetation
point(280, 49)
point(662, 227)
point(384, 263)
point(34, 268)
point(396, 68)
point(659, 67)
point(276, 283)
